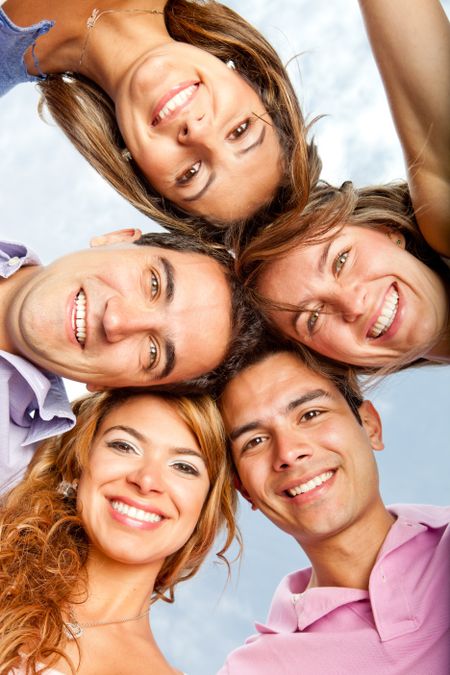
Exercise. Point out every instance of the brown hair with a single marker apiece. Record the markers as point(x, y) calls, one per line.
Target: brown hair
point(43, 546)
point(87, 116)
point(386, 207)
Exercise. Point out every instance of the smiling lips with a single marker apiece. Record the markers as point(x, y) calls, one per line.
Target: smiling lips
point(310, 484)
point(387, 315)
point(180, 98)
point(79, 317)
point(137, 514)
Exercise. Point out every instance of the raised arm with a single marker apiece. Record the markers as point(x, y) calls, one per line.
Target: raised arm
point(411, 43)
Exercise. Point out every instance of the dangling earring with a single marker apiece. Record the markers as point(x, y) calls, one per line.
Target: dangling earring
point(66, 489)
point(126, 155)
point(230, 64)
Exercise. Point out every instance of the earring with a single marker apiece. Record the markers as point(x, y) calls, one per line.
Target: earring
point(126, 155)
point(66, 489)
point(395, 238)
point(230, 64)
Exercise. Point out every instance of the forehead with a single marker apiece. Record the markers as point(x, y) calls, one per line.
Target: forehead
point(261, 390)
point(156, 418)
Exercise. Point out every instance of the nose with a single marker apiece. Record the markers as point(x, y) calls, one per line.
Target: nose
point(289, 451)
point(123, 317)
point(147, 477)
point(351, 301)
point(196, 129)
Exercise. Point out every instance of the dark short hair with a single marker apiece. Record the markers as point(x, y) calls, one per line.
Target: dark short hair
point(247, 324)
point(342, 376)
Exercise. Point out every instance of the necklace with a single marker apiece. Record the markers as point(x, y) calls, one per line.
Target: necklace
point(95, 16)
point(74, 630)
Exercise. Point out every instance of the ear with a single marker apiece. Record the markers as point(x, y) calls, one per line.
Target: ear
point(116, 237)
point(95, 388)
point(372, 424)
point(238, 485)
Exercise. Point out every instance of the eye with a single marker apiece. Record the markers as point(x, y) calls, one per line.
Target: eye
point(340, 261)
point(154, 285)
point(253, 443)
point(312, 320)
point(188, 175)
point(184, 467)
point(311, 414)
point(153, 354)
point(240, 130)
point(123, 447)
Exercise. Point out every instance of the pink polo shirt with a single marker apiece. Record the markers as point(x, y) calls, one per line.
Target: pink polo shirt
point(400, 626)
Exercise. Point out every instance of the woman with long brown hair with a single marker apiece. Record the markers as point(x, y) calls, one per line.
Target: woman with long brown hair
point(362, 275)
point(108, 519)
point(182, 106)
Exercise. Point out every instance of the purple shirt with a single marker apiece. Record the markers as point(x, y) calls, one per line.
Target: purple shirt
point(33, 402)
point(400, 626)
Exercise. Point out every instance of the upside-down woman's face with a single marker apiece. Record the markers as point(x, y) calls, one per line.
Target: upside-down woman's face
point(362, 298)
point(199, 132)
point(144, 489)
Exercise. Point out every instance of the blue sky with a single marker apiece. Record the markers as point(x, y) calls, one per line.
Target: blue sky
point(52, 200)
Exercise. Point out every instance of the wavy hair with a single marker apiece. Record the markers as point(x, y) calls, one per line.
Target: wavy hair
point(86, 114)
point(382, 207)
point(44, 548)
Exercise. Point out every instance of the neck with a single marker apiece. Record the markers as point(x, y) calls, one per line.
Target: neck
point(115, 42)
point(9, 291)
point(347, 558)
point(117, 590)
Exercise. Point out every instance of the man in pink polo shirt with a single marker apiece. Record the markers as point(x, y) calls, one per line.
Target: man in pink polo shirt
point(376, 598)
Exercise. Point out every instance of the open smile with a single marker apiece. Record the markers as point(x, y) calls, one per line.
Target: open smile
point(386, 316)
point(172, 102)
point(79, 317)
point(309, 485)
point(142, 515)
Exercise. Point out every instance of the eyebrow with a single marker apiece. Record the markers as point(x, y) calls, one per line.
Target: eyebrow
point(292, 405)
point(143, 439)
point(321, 266)
point(128, 430)
point(259, 141)
point(324, 256)
point(169, 274)
point(193, 198)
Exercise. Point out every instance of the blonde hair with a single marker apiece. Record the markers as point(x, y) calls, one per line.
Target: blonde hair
point(383, 207)
point(86, 114)
point(43, 546)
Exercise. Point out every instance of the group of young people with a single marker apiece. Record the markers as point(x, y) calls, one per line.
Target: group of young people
point(224, 354)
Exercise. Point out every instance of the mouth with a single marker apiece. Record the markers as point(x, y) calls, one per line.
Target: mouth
point(173, 101)
point(387, 315)
point(79, 317)
point(309, 485)
point(135, 513)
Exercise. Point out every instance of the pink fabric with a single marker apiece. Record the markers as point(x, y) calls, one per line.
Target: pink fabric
point(400, 626)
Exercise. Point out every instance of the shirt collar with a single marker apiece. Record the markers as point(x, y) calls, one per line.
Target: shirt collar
point(37, 399)
point(294, 608)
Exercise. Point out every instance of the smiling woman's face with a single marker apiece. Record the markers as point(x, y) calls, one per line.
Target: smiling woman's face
point(146, 483)
point(362, 298)
point(199, 132)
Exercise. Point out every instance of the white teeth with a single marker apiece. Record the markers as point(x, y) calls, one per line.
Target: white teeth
point(387, 315)
point(79, 317)
point(174, 103)
point(311, 484)
point(137, 514)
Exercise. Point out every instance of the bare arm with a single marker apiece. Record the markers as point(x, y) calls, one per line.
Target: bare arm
point(411, 43)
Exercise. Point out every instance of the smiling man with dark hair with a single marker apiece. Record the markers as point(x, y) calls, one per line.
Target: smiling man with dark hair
point(376, 597)
point(117, 315)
